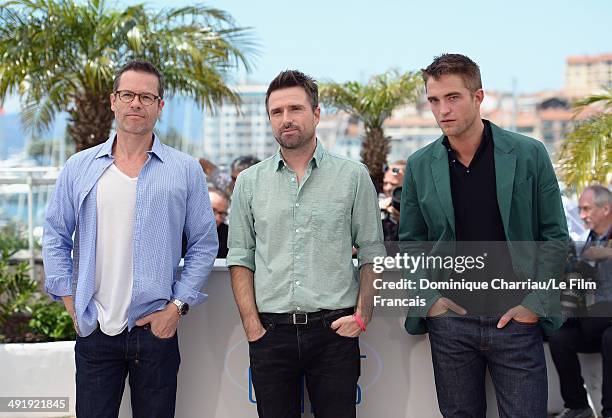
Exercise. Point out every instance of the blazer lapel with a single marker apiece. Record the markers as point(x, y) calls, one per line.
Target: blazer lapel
point(505, 164)
point(441, 178)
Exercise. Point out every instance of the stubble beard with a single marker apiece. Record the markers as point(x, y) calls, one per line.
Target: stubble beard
point(133, 127)
point(459, 130)
point(297, 142)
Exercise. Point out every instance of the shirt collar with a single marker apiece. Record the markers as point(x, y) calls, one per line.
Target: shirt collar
point(487, 137)
point(107, 148)
point(317, 157)
point(599, 238)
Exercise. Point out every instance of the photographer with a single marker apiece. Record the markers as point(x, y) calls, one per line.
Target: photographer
point(390, 200)
point(593, 332)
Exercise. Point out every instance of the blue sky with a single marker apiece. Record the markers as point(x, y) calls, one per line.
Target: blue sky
point(351, 40)
point(345, 40)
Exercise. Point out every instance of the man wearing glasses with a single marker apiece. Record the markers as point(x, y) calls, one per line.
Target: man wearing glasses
point(111, 249)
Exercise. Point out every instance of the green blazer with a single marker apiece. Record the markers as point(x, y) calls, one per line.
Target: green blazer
point(529, 202)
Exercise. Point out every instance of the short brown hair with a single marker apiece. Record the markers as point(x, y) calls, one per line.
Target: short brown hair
point(143, 67)
point(456, 64)
point(294, 78)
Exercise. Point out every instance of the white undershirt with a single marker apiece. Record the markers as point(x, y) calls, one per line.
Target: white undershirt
point(115, 203)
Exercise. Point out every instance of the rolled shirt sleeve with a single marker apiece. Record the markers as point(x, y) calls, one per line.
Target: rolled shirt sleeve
point(241, 237)
point(366, 226)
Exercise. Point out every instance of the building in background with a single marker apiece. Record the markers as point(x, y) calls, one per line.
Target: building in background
point(230, 132)
point(587, 74)
point(222, 134)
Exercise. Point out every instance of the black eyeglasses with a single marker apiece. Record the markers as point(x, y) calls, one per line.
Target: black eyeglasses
point(127, 96)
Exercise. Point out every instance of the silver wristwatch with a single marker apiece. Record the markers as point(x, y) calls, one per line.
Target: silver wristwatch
point(183, 307)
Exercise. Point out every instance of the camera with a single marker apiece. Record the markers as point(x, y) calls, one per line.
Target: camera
point(396, 197)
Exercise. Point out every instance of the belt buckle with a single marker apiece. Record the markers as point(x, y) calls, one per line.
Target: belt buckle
point(295, 318)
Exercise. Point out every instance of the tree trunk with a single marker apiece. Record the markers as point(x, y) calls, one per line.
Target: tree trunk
point(374, 151)
point(90, 121)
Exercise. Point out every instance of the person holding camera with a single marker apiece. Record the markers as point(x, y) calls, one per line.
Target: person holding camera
point(593, 332)
point(390, 202)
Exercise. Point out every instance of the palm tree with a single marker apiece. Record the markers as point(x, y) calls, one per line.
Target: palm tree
point(373, 103)
point(61, 55)
point(586, 153)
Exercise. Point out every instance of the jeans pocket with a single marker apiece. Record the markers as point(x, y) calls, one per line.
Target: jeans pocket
point(150, 331)
point(341, 336)
point(444, 314)
point(269, 328)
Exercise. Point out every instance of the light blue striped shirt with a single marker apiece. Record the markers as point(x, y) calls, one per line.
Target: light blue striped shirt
point(171, 197)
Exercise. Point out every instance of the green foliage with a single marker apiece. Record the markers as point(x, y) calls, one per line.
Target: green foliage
point(11, 240)
point(17, 292)
point(26, 314)
point(16, 288)
point(53, 321)
point(61, 55)
point(604, 99)
point(372, 102)
point(586, 154)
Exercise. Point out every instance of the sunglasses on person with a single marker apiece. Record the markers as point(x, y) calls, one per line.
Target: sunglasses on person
point(396, 171)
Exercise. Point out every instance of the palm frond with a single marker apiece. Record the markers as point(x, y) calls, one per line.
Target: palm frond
point(41, 41)
point(586, 154)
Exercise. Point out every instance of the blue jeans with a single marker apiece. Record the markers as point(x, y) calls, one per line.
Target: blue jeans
point(103, 362)
point(463, 347)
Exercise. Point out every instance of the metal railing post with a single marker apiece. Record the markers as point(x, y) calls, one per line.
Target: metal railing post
point(31, 225)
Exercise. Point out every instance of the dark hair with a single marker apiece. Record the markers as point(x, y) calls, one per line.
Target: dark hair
point(144, 67)
point(244, 162)
point(456, 64)
point(294, 78)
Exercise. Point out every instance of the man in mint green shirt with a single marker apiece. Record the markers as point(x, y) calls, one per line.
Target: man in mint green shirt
point(294, 220)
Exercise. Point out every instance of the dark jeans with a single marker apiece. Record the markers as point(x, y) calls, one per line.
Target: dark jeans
point(582, 335)
point(329, 362)
point(463, 347)
point(103, 362)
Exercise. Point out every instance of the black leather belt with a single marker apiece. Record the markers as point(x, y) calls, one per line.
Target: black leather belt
point(323, 317)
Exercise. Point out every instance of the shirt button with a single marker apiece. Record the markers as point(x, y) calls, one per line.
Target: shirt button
point(467, 171)
point(297, 230)
point(297, 205)
point(297, 283)
point(292, 178)
point(454, 160)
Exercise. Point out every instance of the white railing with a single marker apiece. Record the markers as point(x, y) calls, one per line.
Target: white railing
point(29, 178)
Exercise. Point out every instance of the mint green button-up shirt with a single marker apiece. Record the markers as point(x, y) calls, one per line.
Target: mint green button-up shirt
point(297, 237)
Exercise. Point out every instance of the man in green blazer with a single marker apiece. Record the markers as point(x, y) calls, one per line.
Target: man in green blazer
point(480, 183)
